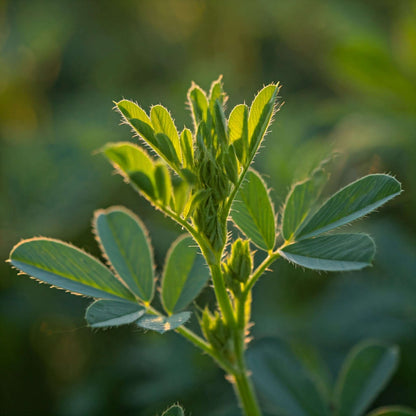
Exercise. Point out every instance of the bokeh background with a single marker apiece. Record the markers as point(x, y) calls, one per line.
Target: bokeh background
point(348, 69)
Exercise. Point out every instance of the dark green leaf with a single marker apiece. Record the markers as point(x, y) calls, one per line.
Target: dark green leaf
point(163, 183)
point(186, 142)
point(393, 411)
point(184, 276)
point(350, 203)
point(67, 267)
point(175, 410)
point(163, 323)
point(283, 381)
point(220, 123)
point(124, 241)
point(338, 252)
point(364, 374)
point(106, 313)
point(300, 201)
point(252, 212)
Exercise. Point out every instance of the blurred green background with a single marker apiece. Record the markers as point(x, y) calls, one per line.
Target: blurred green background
point(348, 69)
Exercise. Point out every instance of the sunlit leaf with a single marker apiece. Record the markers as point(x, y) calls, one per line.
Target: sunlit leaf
point(261, 112)
point(106, 313)
point(338, 252)
point(134, 164)
point(163, 323)
point(184, 276)
point(175, 410)
point(252, 212)
point(162, 122)
point(220, 123)
point(124, 241)
point(350, 203)
point(393, 411)
point(364, 374)
point(238, 131)
point(66, 267)
point(198, 103)
point(186, 143)
point(300, 201)
point(282, 380)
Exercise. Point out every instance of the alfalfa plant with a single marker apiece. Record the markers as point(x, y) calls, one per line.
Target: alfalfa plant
point(201, 178)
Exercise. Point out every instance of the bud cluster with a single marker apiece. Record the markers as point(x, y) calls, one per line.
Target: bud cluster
point(237, 268)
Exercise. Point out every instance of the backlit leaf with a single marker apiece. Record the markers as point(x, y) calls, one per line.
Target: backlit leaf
point(64, 266)
point(175, 410)
point(300, 201)
point(393, 411)
point(252, 212)
point(238, 131)
point(106, 313)
point(124, 241)
point(283, 381)
point(261, 112)
point(163, 183)
point(198, 103)
point(364, 374)
point(184, 276)
point(350, 203)
point(163, 123)
point(162, 324)
point(134, 164)
point(338, 252)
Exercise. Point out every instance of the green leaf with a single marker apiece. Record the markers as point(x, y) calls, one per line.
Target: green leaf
point(131, 110)
point(364, 374)
point(338, 252)
point(220, 123)
point(253, 213)
point(238, 131)
point(175, 410)
point(107, 313)
point(162, 324)
point(198, 103)
point(261, 112)
point(184, 276)
point(350, 203)
point(281, 379)
point(134, 164)
point(163, 123)
point(66, 267)
point(163, 183)
point(186, 142)
point(300, 201)
point(124, 241)
point(393, 411)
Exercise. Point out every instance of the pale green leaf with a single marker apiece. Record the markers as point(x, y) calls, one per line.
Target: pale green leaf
point(106, 313)
point(134, 164)
point(163, 123)
point(184, 276)
point(131, 110)
point(66, 267)
point(338, 252)
point(300, 201)
point(175, 410)
point(238, 131)
point(364, 374)
point(393, 411)
point(186, 142)
point(252, 212)
point(261, 112)
point(198, 103)
point(283, 381)
point(350, 203)
point(163, 323)
point(125, 243)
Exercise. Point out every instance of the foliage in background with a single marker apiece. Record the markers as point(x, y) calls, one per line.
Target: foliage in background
point(348, 70)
